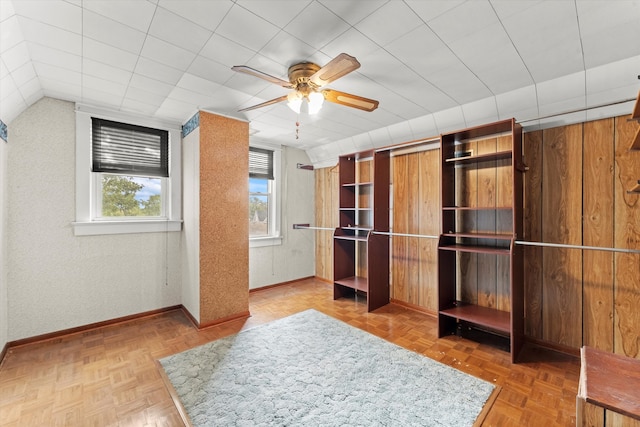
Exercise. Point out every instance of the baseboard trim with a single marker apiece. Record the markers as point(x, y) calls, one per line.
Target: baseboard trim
point(414, 307)
point(322, 279)
point(89, 327)
point(237, 316)
point(3, 353)
point(558, 348)
point(276, 285)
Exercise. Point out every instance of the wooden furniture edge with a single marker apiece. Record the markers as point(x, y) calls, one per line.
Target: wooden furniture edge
point(174, 395)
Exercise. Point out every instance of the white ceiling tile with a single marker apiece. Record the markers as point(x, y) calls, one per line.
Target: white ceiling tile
point(287, 50)
point(16, 57)
point(278, 12)
point(95, 83)
point(428, 10)
point(7, 86)
point(46, 55)
point(210, 70)
point(353, 12)
point(238, 20)
point(566, 87)
point(206, 13)
point(150, 85)
point(490, 55)
point(481, 111)
point(61, 89)
point(449, 120)
point(99, 97)
point(175, 110)
point(24, 74)
point(178, 31)
point(400, 132)
point(424, 126)
point(103, 53)
point(10, 34)
point(394, 19)
point(520, 103)
point(610, 111)
point(347, 145)
point(463, 20)
point(166, 53)
point(139, 107)
point(546, 33)
point(352, 42)
point(105, 71)
point(197, 84)
point(136, 14)
point(11, 106)
point(615, 81)
point(6, 10)
point(113, 33)
point(135, 94)
point(158, 71)
point(57, 13)
point(52, 72)
point(226, 52)
point(362, 141)
point(380, 137)
point(4, 71)
point(316, 25)
point(51, 36)
point(31, 91)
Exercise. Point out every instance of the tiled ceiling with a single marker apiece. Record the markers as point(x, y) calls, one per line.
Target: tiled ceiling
point(434, 65)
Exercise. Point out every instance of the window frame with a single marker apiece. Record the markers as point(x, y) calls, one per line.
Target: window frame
point(88, 221)
point(275, 187)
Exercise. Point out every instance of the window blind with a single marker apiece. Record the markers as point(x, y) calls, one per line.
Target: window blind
point(125, 148)
point(260, 163)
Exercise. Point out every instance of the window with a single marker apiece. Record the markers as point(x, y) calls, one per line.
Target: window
point(264, 223)
point(127, 174)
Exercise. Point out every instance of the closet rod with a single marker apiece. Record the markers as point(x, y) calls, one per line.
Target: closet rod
point(423, 236)
point(561, 245)
point(309, 227)
point(579, 110)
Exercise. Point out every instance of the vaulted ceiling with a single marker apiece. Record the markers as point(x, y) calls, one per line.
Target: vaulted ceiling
point(434, 65)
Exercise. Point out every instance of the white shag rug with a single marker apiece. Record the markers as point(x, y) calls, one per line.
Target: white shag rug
point(309, 369)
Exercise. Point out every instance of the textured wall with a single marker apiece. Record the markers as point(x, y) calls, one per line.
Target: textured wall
point(294, 258)
point(191, 225)
point(58, 281)
point(224, 228)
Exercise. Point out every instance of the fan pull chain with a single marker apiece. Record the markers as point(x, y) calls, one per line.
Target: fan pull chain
point(297, 129)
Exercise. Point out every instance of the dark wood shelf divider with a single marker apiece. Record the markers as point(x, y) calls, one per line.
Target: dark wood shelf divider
point(360, 257)
point(481, 192)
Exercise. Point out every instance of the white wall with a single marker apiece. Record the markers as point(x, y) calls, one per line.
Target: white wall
point(191, 226)
point(55, 280)
point(295, 258)
point(4, 305)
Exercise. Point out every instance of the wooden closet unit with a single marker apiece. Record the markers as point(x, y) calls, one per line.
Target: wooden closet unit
point(480, 268)
point(635, 144)
point(360, 256)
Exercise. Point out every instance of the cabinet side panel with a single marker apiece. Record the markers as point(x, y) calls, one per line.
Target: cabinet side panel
point(562, 223)
point(413, 226)
point(399, 244)
point(533, 232)
point(627, 235)
point(486, 196)
point(597, 230)
point(429, 225)
point(326, 190)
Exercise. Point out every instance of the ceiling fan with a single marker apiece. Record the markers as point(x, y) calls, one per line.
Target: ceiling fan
point(306, 80)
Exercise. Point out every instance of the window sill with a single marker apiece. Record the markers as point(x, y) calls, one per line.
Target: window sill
point(259, 242)
point(93, 228)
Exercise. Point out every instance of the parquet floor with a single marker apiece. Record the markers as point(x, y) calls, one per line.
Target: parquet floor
point(107, 376)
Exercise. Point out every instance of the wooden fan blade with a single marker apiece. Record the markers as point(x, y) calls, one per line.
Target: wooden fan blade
point(349, 100)
point(260, 74)
point(339, 66)
point(264, 104)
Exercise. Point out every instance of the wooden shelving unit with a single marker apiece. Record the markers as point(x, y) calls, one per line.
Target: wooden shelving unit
point(361, 257)
point(480, 269)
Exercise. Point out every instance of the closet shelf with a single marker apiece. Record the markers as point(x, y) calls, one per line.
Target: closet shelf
point(357, 184)
point(491, 318)
point(481, 157)
point(354, 282)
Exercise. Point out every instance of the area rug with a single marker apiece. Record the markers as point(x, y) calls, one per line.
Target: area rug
point(309, 369)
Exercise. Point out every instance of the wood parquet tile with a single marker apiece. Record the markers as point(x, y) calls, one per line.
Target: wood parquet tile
point(107, 376)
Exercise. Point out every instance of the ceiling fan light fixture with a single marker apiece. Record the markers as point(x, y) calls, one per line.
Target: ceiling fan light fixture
point(294, 101)
point(316, 99)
